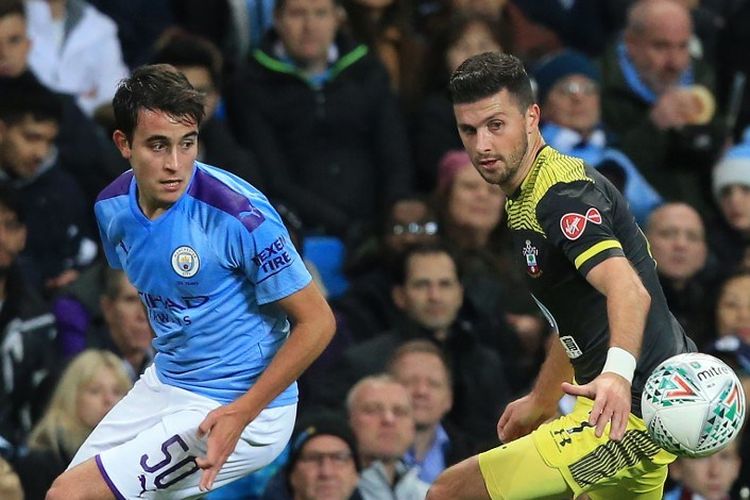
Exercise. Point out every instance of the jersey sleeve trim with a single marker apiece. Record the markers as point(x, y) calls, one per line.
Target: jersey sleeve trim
point(595, 250)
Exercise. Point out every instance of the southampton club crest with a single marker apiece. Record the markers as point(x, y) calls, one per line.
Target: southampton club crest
point(532, 267)
point(185, 262)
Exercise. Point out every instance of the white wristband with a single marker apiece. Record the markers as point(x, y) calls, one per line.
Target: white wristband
point(621, 362)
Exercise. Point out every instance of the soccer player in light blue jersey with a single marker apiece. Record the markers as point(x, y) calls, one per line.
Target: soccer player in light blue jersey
point(221, 282)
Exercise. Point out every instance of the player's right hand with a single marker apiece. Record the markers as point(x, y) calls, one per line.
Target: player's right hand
point(523, 416)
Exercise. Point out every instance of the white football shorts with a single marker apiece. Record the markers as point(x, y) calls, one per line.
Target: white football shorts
point(145, 447)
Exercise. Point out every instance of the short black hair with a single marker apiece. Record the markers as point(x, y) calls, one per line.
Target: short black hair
point(156, 87)
point(399, 269)
point(183, 49)
point(12, 7)
point(22, 98)
point(10, 199)
point(486, 74)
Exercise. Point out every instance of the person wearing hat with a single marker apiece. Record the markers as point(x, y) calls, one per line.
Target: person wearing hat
point(323, 462)
point(568, 87)
point(730, 235)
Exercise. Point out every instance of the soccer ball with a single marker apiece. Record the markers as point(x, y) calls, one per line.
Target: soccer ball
point(693, 405)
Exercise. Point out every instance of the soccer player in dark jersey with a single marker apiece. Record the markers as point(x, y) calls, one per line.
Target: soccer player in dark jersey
point(591, 273)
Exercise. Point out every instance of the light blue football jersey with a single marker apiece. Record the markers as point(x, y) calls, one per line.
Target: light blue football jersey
point(208, 271)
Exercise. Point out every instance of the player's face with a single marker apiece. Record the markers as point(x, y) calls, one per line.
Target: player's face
point(474, 205)
point(307, 29)
point(126, 319)
point(431, 294)
point(711, 477)
point(98, 396)
point(426, 379)
point(476, 39)
point(734, 202)
point(382, 420)
point(25, 144)
point(324, 471)
point(678, 241)
point(411, 223)
point(14, 46)
point(495, 133)
point(660, 53)
point(162, 154)
point(733, 308)
point(12, 238)
point(573, 102)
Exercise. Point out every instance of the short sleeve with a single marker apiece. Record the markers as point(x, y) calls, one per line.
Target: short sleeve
point(577, 219)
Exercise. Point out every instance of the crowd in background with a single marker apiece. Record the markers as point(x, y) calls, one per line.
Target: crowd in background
point(338, 111)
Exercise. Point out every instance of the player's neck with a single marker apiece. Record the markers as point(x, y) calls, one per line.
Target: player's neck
point(536, 143)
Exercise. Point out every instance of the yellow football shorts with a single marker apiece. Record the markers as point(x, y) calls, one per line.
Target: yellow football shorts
point(564, 458)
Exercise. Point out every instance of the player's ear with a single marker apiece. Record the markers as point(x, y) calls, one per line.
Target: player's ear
point(532, 118)
point(122, 143)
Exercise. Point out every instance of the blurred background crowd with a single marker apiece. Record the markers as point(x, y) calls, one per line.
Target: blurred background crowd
point(338, 111)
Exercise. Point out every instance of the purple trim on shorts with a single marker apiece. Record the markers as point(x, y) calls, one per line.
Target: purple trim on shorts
point(107, 480)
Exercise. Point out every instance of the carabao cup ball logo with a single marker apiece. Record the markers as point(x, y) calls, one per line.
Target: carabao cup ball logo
point(185, 262)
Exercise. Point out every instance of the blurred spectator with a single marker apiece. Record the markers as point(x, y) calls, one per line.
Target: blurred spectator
point(319, 113)
point(382, 420)
point(127, 333)
point(323, 463)
point(666, 125)
point(424, 371)
point(10, 485)
point(27, 332)
point(75, 50)
point(139, 25)
point(569, 94)
point(677, 238)
point(367, 306)
point(435, 128)
point(470, 212)
point(733, 67)
point(57, 217)
point(201, 62)
point(90, 386)
point(729, 237)
point(733, 307)
point(84, 149)
point(708, 478)
point(385, 27)
point(428, 292)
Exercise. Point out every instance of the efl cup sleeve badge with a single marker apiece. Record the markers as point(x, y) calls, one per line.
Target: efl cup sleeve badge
point(532, 267)
point(185, 262)
point(572, 224)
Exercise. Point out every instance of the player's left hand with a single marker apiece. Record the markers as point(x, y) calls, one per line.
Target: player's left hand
point(611, 395)
point(224, 426)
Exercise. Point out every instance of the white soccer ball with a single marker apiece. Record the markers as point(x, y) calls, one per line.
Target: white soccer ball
point(693, 405)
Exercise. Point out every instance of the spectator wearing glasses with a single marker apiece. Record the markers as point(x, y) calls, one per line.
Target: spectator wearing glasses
point(367, 308)
point(568, 88)
point(323, 462)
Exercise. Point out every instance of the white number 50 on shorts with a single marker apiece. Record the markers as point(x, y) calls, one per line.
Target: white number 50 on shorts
point(146, 445)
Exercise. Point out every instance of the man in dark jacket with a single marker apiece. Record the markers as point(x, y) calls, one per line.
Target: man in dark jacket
point(319, 113)
point(27, 333)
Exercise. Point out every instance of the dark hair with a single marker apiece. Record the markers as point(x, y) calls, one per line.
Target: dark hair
point(12, 7)
point(280, 4)
point(182, 49)
point(22, 98)
point(112, 282)
point(156, 87)
point(487, 74)
point(10, 199)
point(399, 270)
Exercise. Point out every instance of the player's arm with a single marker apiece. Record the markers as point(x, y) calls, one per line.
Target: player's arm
point(313, 328)
point(628, 303)
point(527, 413)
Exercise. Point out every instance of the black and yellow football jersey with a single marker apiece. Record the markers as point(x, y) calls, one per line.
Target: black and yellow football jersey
point(565, 219)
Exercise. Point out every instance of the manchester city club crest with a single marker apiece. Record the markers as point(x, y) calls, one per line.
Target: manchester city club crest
point(532, 267)
point(185, 262)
